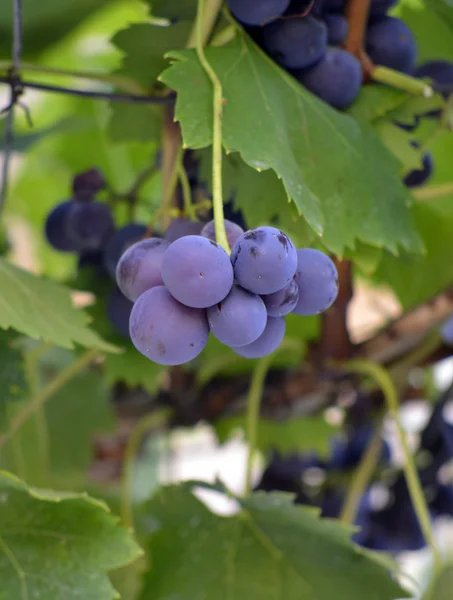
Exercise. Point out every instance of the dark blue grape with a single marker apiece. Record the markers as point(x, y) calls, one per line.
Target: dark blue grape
point(264, 260)
point(379, 8)
point(139, 269)
point(120, 241)
point(446, 332)
point(166, 331)
point(440, 72)
point(296, 43)
point(89, 225)
point(233, 231)
point(336, 79)
point(418, 177)
point(337, 29)
point(347, 453)
point(442, 502)
point(390, 43)
point(239, 319)
point(93, 259)
point(180, 227)
point(197, 271)
point(118, 309)
point(301, 8)
point(317, 279)
point(282, 302)
point(85, 185)
point(269, 340)
point(56, 230)
point(257, 12)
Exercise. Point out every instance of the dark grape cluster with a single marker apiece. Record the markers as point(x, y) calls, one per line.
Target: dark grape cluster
point(306, 38)
point(187, 286)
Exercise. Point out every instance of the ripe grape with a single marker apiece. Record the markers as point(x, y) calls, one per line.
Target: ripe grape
point(166, 331)
point(233, 231)
point(346, 454)
point(336, 79)
point(390, 43)
point(55, 228)
point(296, 43)
point(418, 177)
point(92, 258)
point(269, 340)
point(440, 72)
point(89, 225)
point(317, 280)
point(257, 12)
point(379, 8)
point(337, 29)
point(118, 309)
point(239, 319)
point(86, 185)
point(197, 271)
point(264, 260)
point(179, 228)
point(120, 241)
point(282, 302)
point(446, 332)
point(139, 268)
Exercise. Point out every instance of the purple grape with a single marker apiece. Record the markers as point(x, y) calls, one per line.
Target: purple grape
point(296, 43)
point(89, 225)
point(446, 332)
point(85, 185)
point(239, 319)
point(440, 72)
point(55, 228)
point(379, 8)
point(390, 43)
point(282, 302)
point(179, 228)
point(140, 267)
point(336, 79)
point(257, 12)
point(317, 280)
point(264, 260)
point(166, 331)
point(269, 340)
point(233, 231)
point(197, 271)
point(418, 177)
point(120, 241)
point(118, 309)
point(337, 29)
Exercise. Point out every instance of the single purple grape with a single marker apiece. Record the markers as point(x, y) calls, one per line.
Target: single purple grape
point(317, 280)
point(233, 231)
point(269, 340)
point(282, 302)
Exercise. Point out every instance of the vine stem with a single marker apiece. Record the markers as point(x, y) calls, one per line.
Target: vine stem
point(357, 15)
point(151, 421)
point(431, 192)
point(401, 81)
point(217, 108)
point(383, 379)
point(361, 478)
point(253, 413)
point(46, 393)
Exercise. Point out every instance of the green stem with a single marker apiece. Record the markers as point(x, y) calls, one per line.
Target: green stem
point(45, 394)
point(120, 81)
point(402, 81)
point(189, 208)
point(208, 18)
point(253, 413)
point(431, 192)
point(217, 109)
point(383, 379)
point(151, 421)
point(361, 478)
point(226, 35)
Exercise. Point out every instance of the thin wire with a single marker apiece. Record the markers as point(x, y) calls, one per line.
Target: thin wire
point(15, 93)
point(95, 94)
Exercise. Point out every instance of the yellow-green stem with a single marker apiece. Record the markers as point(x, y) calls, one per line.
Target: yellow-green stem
point(431, 192)
point(383, 379)
point(402, 81)
point(217, 109)
point(253, 414)
point(361, 478)
point(209, 17)
point(151, 421)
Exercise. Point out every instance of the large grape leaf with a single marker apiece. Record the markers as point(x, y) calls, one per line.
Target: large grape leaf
point(13, 385)
point(442, 586)
point(334, 168)
point(56, 546)
point(295, 435)
point(271, 550)
point(43, 309)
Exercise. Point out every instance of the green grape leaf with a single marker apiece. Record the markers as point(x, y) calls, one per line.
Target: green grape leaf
point(13, 384)
point(133, 368)
point(43, 309)
point(442, 586)
point(184, 9)
point(274, 123)
point(57, 546)
point(375, 101)
point(296, 435)
point(271, 549)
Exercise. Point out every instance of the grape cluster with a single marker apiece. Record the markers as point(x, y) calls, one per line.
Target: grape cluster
point(306, 38)
point(188, 287)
